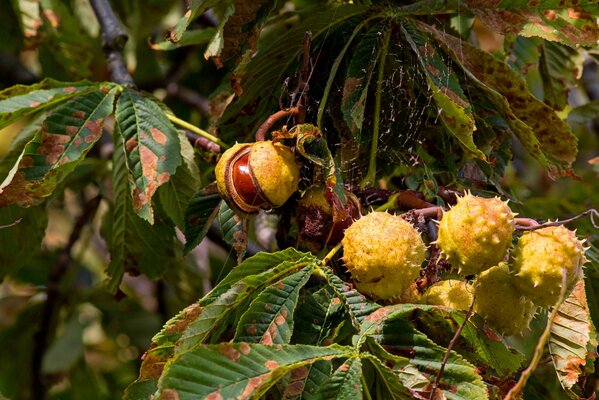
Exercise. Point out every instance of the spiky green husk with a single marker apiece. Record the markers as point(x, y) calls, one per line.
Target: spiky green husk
point(451, 293)
point(500, 303)
point(383, 253)
point(476, 233)
point(538, 260)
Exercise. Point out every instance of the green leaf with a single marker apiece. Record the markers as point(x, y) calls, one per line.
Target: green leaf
point(66, 349)
point(388, 326)
point(581, 115)
point(316, 317)
point(269, 319)
point(152, 147)
point(134, 243)
point(357, 81)
point(573, 338)
point(71, 46)
point(305, 381)
point(30, 20)
point(562, 21)
point(201, 211)
point(21, 100)
point(67, 134)
point(234, 229)
point(223, 11)
point(257, 264)
point(175, 195)
point(344, 384)
point(455, 110)
point(550, 139)
point(215, 315)
point(561, 67)
point(356, 304)
point(189, 38)
point(142, 390)
point(237, 370)
point(23, 240)
point(394, 387)
point(196, 8)
point(260, 71)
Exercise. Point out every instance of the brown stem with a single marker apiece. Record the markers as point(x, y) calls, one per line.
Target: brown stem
point(114, 37)
point(11, 224)
point(451, 345)
point(54, 300)
point(202, 143)
point(409, 199)
point(270, 121)
point(527, 224)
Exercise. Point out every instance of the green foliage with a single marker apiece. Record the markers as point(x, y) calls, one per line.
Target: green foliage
point(103, 198)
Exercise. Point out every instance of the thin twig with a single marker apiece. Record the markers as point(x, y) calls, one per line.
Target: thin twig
point(591, 212)
point(451, 345)
point(11, 224)
point(540, 348)
point(54, 300)
point(114, 37)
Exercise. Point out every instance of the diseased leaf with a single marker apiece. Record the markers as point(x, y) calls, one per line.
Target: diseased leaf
point(260, 71)
point(356, 304)
point(21, 100)
point(269, 319)
point(241, 293)
point(344, 384)
point(134, 243)
point(305, 381)
point(201, 211)
point(564, 21)
point(67, 134)
point(573, 338)
point(552, 139)
point(196, 8)
point(152, 146)
point(234, 229)
point(223, 11)
point(317, 316)
point(397, 335)
point(30, 20)
point(176, 194)
point(189, 38)
point(454, 108)
point(238, 370)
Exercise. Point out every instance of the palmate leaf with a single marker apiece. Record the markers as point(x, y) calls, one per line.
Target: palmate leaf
point(66, 135)
point(201, 211)
point(175, 195)
point(260, 71)
point(344, 384)
point(134, 243)
point(21, 100)
point(237, 370)
point(573, 338)
point(269, 319)
point(455, 110)
point(387, 326)
point(538, 127)
point(152, 147)
point(217, 315)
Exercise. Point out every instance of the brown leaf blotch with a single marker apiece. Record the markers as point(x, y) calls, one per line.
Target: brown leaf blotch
point(229, 351)
point(69, 89)
point(245, 348)
point(158, 136)
point(271, 364)
point(130, 144)
point(71, 130)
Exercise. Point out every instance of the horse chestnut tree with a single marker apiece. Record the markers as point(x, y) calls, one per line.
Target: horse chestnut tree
point(299, 199)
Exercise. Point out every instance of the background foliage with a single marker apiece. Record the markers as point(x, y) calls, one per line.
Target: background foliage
point(114, 202)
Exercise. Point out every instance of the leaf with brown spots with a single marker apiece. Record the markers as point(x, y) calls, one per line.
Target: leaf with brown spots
point(55, 151)
point(345, 383)
point(573, 338)
point(572, 23)
point(238, 370)
point(152, 144)
point(235, 230)
point(21, 100)
point(269, 319)
point(134, 243)
point(454, 108)
point(195, 9)
point(537, 126)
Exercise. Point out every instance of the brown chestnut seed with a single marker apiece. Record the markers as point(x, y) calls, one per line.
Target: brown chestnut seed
point(251, 176)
